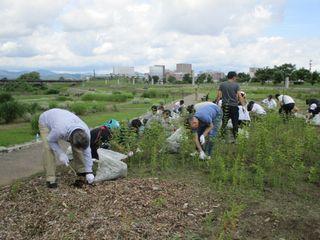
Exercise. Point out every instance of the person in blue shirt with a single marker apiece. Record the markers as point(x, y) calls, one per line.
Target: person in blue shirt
point(205, 123)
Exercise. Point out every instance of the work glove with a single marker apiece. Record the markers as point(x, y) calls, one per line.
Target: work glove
point(90, 178)
point(63, 158)
point(202, 139)
point(202, 155)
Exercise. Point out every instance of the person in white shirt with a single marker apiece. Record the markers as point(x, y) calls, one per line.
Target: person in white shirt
point(287, 104)
point(177, 108)
point(59, 124)
point(244, 117)
point(269, 102)
point(256, 108)
point(313, 109)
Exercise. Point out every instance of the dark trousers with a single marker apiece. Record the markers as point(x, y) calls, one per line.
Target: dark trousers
point(287, 108)
point(230, 112)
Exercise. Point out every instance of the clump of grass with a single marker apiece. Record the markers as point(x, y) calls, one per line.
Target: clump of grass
point(79, 108)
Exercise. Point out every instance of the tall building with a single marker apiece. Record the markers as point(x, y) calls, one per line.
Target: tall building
point(218, 75)
point(123, 71)
point(184, 68)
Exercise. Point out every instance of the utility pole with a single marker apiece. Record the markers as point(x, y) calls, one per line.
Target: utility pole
point(94, 74)
point(192, 75)
point(310, 65)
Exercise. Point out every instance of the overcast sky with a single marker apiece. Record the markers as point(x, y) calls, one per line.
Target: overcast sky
point(79, 35)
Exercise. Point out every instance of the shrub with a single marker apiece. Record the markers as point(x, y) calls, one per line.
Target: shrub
point(17, 86)
point(78, 108)
point(35, 123)
point(135, 101)
point(5, 97)
point(146, 100)
point(98, 107)
point(154, 93)
point(33, 107)
point(52, 91)
point(114, 108)
point(11, 110)
point(63, 98)
point(53, 105)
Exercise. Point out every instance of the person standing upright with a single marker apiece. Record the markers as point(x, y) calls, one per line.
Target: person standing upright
point(229, 92)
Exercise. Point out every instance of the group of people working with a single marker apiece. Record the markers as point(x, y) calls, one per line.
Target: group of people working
point(232, 108)
point(59, 124)
point(205, 120)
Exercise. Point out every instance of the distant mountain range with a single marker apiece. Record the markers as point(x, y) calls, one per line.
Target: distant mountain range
point(44, 74)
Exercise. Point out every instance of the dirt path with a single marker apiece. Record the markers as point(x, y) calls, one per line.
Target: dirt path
point(25, 162)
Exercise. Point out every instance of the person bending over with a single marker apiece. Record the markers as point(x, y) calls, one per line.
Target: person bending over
point(270, 102)
point(256, 108)
point(313, 108)
point(58, 124)
point(205, 123)
point(287, 104)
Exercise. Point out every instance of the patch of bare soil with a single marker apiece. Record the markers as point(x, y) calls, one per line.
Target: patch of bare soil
point(283, 215)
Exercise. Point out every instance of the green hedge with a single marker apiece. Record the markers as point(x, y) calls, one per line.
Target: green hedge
point(153, 93)
point(114, 97)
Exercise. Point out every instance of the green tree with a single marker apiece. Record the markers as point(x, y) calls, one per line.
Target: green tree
point(201, 78)
point(301, 74)
point(277, 76)
point(29, 76)
point(243, 77)
point(172, 79)
point(264, 74)
point(314, 77)
point(187, 78)
point(155, 79)
point(209, 78)
point(287, 69)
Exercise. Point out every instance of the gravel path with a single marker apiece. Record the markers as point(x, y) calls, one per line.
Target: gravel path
point(25, 162)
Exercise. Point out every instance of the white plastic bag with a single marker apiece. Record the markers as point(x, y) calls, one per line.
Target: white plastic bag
point(243, 114)
point(69, 153)
point(174, 140)
point(110, 165)
point(316, 120)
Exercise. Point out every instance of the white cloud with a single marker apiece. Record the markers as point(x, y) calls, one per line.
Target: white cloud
point(20, 18)
point(220, 34)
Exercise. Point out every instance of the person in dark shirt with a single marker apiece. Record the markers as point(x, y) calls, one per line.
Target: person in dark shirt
point(229, 92)
point(100, 137)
